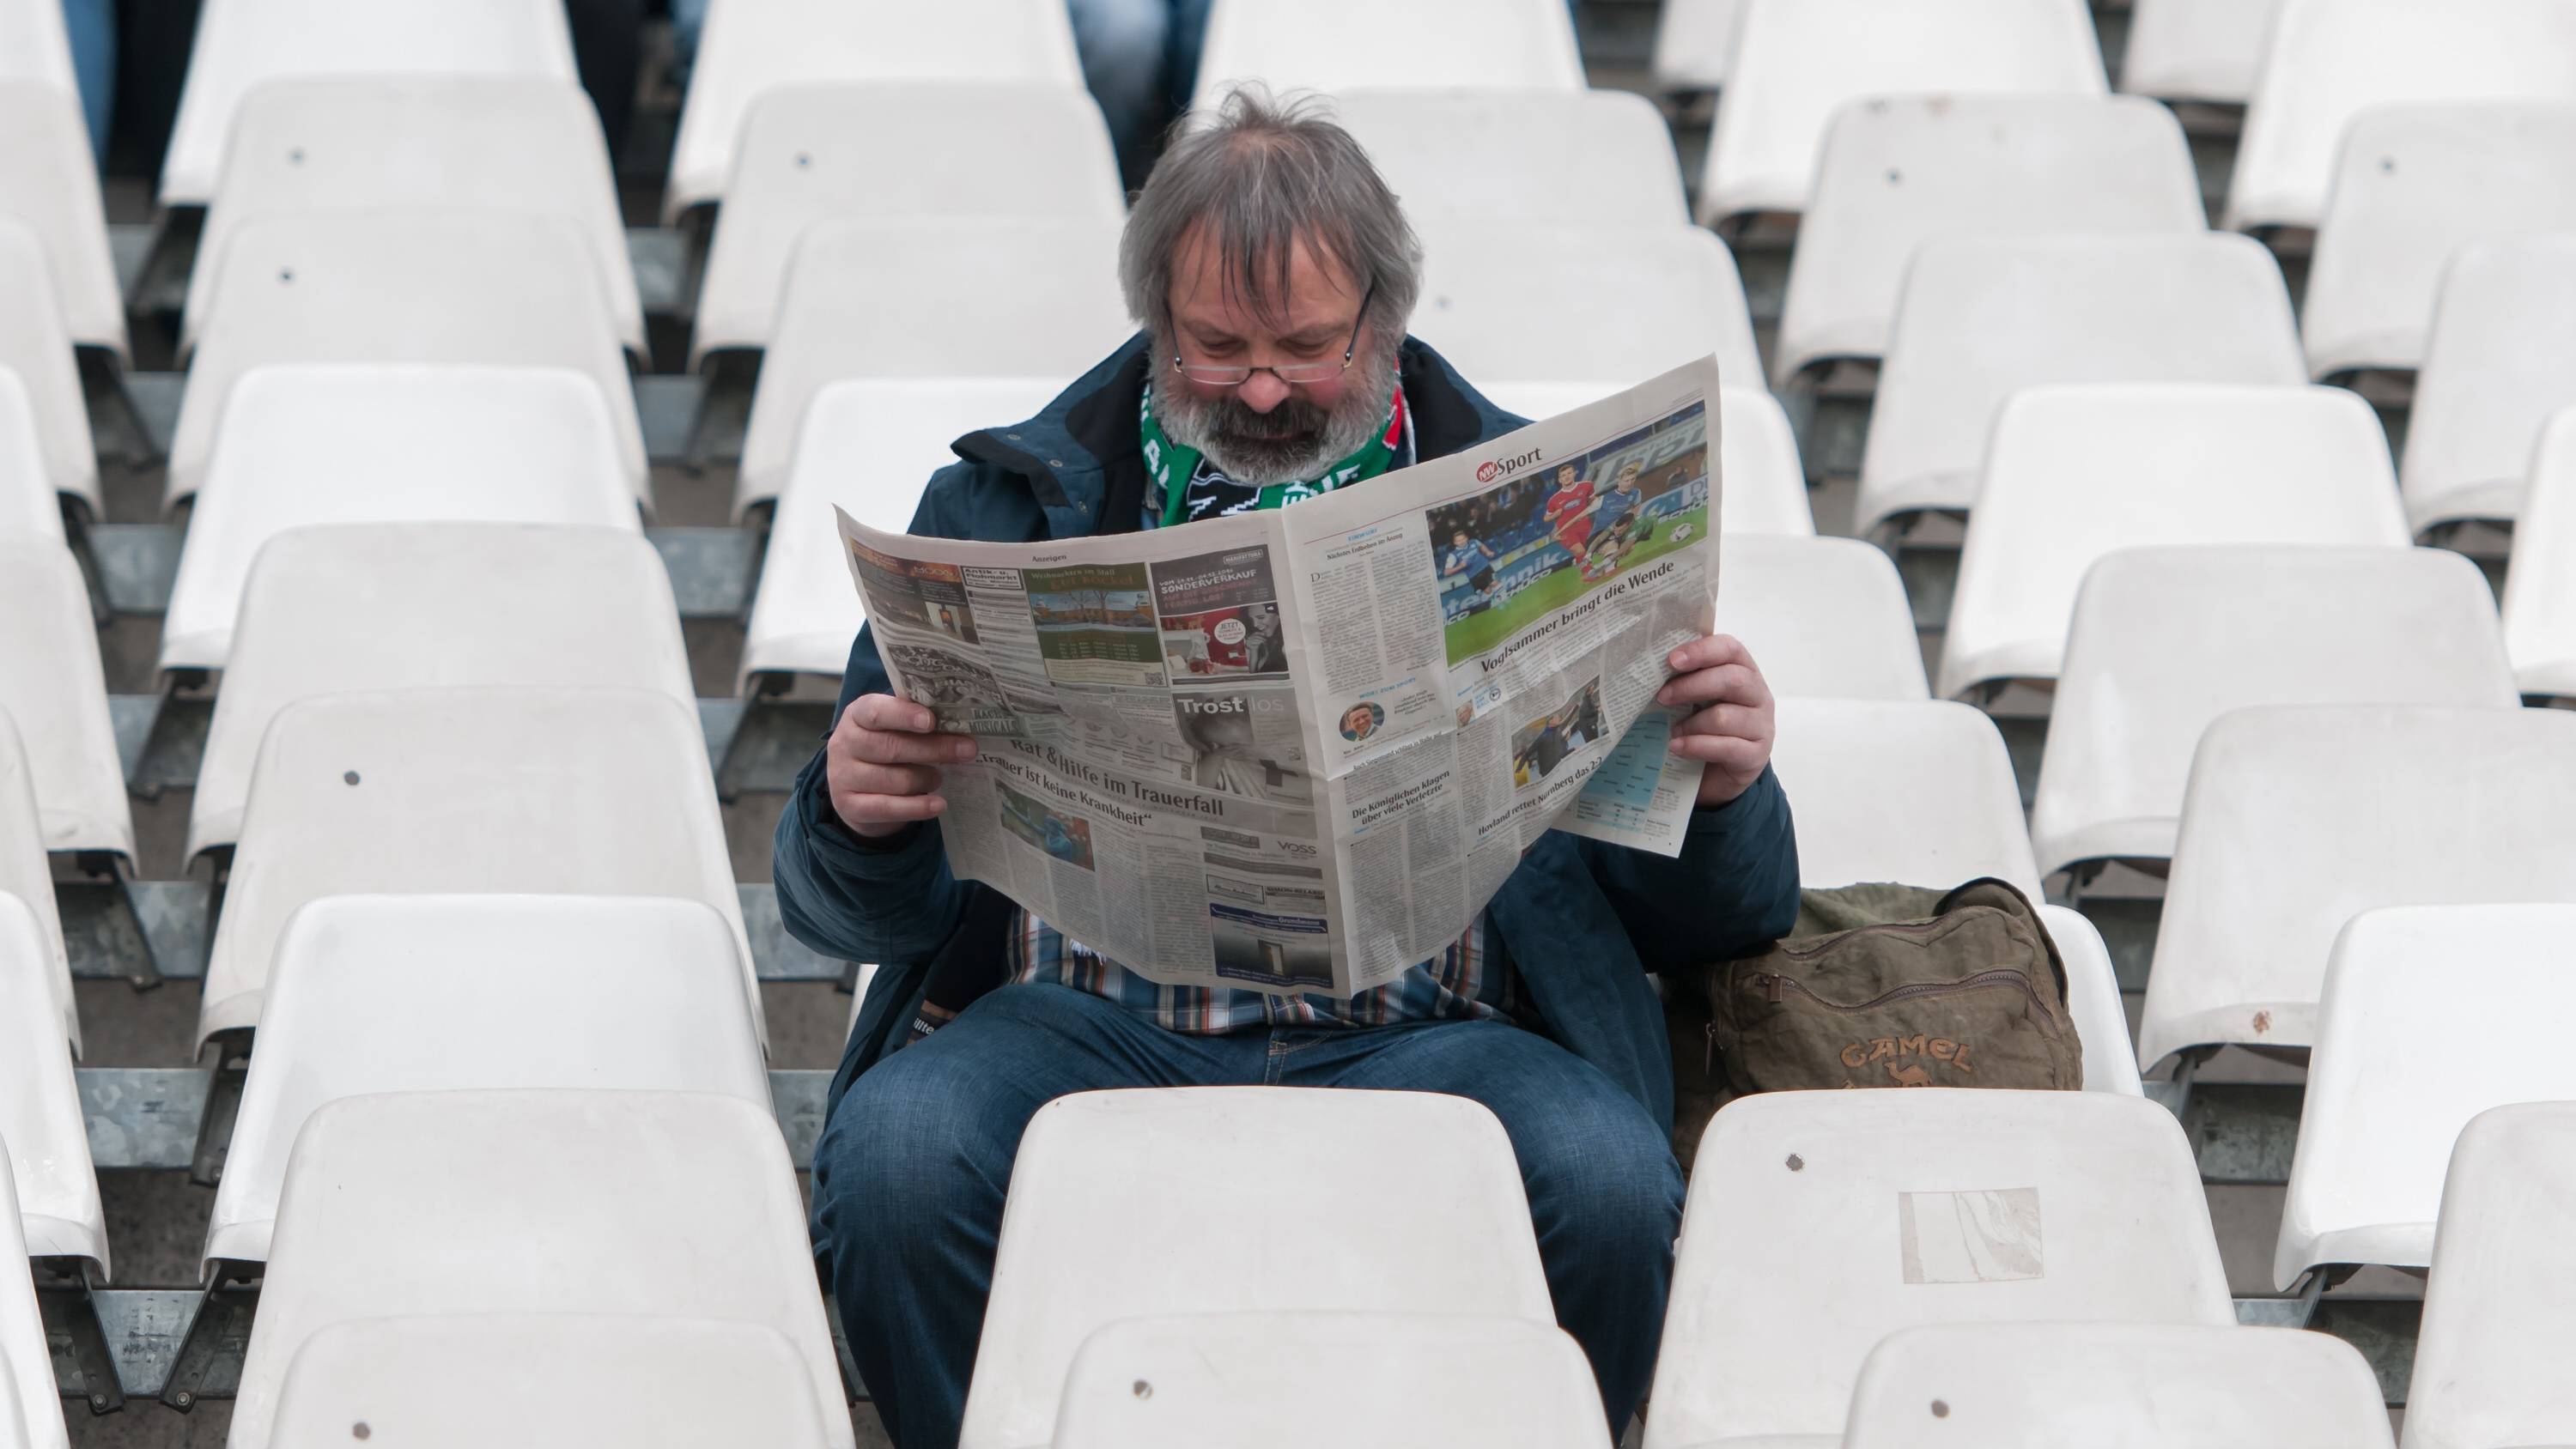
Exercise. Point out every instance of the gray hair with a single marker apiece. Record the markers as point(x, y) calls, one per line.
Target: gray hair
point(1261, 175)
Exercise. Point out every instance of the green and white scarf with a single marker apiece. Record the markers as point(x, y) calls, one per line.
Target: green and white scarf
point(1190, 488)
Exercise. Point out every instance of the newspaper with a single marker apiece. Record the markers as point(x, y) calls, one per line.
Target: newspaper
point(1299, 750)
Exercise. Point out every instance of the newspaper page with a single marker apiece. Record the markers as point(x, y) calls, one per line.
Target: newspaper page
point(1299, 750)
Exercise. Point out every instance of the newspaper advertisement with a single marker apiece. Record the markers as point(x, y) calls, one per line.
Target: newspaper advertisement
point(1300, 750)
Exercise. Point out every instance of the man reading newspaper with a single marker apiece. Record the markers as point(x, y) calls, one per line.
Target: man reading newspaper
point(1273, 274)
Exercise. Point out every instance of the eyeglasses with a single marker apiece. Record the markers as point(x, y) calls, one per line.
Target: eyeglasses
point(1296, 374)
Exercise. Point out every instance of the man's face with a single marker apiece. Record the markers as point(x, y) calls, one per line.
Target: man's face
point(1459, 538)
point(1356, 722)
point(1628, 480)
point(1565, 476)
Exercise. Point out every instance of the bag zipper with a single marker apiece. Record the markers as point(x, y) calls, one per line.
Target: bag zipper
point(1773, 983)
point(1884, 928)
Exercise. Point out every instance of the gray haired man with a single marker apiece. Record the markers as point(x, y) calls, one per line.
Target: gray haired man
point(1273, 273)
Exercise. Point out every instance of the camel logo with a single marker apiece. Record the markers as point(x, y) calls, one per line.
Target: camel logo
point(1913, 1076)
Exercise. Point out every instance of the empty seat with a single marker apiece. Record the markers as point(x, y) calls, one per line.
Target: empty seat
point(2540, 585)
point(1603, 156)
point(2413, 185)
point(492, 288)
point(35, 346)
point(2093, 1002)
point(2166, 640)
point(1432, 1178)
point(977, 298)
point(31, 1409)
point(49, 184)
point(1695, 42)
point(1341, 45)
point(364, 143)
point(2150, 1385)
point(1820, 1222)
point(240, 43)
point(28, 508)
point(820, 153)
point(2502, 359)
point(1899, 170)
point(870, 445)
point(1797, 61)
point(2073, 473)
point(1915, 791)
point(2297, 817)
point(1762, 487)
point(54, 688)
point(2409, 1047)
point(27, 874)
point(539, 1380)
point(2196, 50)
point(1398, 1381)
point(2501, 1301)
point(33, 44)
point(1981, 319)
point(2328, 60)
point(431, 791)
point(431, 605)
point(40, 1106)
point(617, 1204)
point(1823, 616)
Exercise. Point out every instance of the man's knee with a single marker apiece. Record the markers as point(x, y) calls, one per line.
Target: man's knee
point(1600, 1173)
point(906, 1150)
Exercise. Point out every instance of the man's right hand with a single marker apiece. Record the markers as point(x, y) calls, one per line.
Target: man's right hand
point(882, 764)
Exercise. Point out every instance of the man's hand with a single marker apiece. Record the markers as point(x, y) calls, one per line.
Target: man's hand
point(882, 764)
point(1731, 729)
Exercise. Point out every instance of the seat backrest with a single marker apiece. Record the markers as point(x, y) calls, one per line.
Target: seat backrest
point(2501, 1300)
point(820, 153)
point(2073, 473)
point(240, 43)
point(2540, 585)
point(2093, 1002)
point(2328, 60)
point(2043, 1385)
point(1919, 792)
point(53, 686)
point(1820, 1222)
point(41, 1125)
point(509, 289)
point(2165, 640)
point(1342, 45)
point(2196, 50)
point(1980, 319)
point(616, 1204)
point(27, 873)
point(1399, 1381)
point(2297, 817)
point(1621, 304)
point(960, 298)
point(460, 791)
point(2502, 359)
point(1764, 485)
point(1600, 158)
point(476, 444)
point(1797, 61)
point(31, 1410)
point(1695, 43)
point(1439, 1223)
point(1896, 171)
point(49, 183)
point(35, 346)
point(29, 508)
point(1824, 617)
point(34, 44)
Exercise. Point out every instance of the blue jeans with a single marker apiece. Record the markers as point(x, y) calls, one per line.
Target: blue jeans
point(910, 1172)
point(91, 25)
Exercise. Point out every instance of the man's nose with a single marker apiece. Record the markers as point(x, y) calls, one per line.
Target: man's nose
point(1262, 391)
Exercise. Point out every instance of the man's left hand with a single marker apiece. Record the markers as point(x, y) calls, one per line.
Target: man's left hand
point(1731, 727)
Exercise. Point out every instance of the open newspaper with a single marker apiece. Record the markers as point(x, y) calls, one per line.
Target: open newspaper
point(1299, 750)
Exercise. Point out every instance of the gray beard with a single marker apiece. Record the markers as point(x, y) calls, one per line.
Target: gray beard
point(1293, 441)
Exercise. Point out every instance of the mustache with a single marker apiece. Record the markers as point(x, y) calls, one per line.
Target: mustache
point(1294, 418)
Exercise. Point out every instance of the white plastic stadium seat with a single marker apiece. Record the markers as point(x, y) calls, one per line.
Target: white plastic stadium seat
point(301, 445)
point(2115, 1386)
point(29, 510)
point(2329, 60)
point(1695, 43)
point(2502, 360)
point(622, 1205)
point(2540, 586)
point(2093, 1002)
point(539, 1380)
point(54, 688)
point(2410, 1046)
point(752, 47)
point(1797, 61)
point(2196, 50)
point(2166, 640)
point(1432, 1177)
point(1399, 1381)
point(441, 993)
point(1343, 45)
point(1982, 319)
point(2501, 1302)
point(822, 153)
point(2414, 184)
point(1919, 792)
point(2297, 817)
point(967, 298)
point(364, 143)
point(27, 874)
point(31, 1409)
point(35, 346)
point(456, 791)
point(491, 288)
point(1825, 617)
point(40, 1106)
point(432, 605)
point(34, 44)
point(870, 445)
point(1820, 1222)
point(1604, 158)
point(1620, 305)
point(1763, 488)
point(2073, 473)
point(1899, 170)
point(49, 183)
